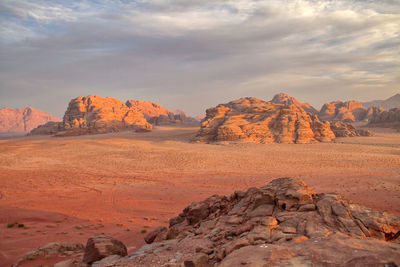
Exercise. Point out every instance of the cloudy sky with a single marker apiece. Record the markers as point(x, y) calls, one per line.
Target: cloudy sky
point(196, 54)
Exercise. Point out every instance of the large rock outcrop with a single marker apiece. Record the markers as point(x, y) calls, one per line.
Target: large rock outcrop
point(254, 120)
point(391, 102)
point(350, 111)
point(23, 119)
point(153, 112)
point(95, 114)
point(284, 223)
point(286, 99)
point(343, 129)
point(389, 119)
point(158, 115)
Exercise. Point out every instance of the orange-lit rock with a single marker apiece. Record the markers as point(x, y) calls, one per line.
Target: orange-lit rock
point(303, 228)
point(254, 120)
point(286, 99)
point(343, 111)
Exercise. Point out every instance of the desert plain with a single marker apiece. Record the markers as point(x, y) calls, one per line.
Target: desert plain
point(125, 184)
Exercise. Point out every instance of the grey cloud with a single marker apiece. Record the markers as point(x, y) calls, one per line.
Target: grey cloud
point(263, 50)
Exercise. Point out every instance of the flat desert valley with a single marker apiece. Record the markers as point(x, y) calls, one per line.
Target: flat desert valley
point(126, 184)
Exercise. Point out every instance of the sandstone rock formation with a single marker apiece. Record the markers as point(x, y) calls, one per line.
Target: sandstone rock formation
point(23, 120)
point(94, 114)
point(283, 223)
point(389, 119)
point(391, 102)
point(350, 111)
point(372, 112)
point(153, 112)
point(342, 129)
point(253, 120)
point(101, 246)
point(158, 115)
point(286, 99)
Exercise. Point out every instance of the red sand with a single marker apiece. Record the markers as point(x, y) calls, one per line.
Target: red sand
point(67, 189)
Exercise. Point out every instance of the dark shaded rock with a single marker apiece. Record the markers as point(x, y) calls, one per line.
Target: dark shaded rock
point(101, 246)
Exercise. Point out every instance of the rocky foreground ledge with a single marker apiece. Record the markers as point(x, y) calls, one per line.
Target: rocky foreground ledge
point(283, 223)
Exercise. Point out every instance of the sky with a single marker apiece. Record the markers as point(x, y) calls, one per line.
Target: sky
point(193, 55)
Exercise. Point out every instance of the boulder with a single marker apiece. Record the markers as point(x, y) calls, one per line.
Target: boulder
point(101, 246)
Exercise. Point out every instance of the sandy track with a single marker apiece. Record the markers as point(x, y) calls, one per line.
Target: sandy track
point(142, 179)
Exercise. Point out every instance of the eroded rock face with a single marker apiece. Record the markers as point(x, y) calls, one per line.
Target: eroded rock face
point(95, 114)
point(101, 246)
point(254, 120)
point(284, 223)
point(350, 111)
point(24, 119)
point(342, 129)
point(286, 99)
point(158, 115)
point(389, 119)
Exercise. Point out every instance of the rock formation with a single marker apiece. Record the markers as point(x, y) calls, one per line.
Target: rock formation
point(391, 102)
point(286, 99)
point(153, 112)
point(23, 119)
point(94, 114)
point(61, 249)
point(389, 119)
point(342, 129)
point(350, 111)
point(253, 120)
point(372, 112)
point(158, 115)
point(283, 223)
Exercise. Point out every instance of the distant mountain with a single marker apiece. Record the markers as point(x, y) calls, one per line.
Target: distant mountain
point(286, 99)
point(391, 102)
point(23, 119)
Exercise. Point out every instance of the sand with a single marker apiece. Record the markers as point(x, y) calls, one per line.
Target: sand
point(125, 184)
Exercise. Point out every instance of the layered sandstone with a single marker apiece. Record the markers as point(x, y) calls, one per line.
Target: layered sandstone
point(350, 111)
point(254, 120)
point(95, 114)
point(23, 119)
point(284, 223)
point(286, 99)
point(342, 129)
point(389, 119)
point(153, 112)
point(158, 115)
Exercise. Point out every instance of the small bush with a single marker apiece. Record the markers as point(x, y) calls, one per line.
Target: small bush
point(11, 225)
point(21, 225)
point(143, 231)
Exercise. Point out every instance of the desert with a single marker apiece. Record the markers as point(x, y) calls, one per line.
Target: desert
point(212, 133)
point(68, 189)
